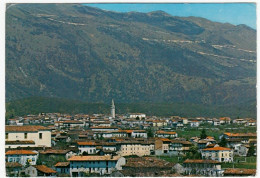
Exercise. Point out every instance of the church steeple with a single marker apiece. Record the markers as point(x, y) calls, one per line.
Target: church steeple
point(113, 109)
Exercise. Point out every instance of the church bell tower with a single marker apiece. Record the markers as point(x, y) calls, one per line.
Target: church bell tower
point(113, 110)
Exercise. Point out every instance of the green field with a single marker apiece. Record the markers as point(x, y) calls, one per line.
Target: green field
point(214, 131)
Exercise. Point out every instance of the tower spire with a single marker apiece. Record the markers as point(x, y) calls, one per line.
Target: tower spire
point(113, 109)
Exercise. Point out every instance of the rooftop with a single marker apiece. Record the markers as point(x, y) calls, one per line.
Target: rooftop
point(44, 169)
point(94, 158)
point(20, 142)
point(12, 165)
point(62, 164)
point(216, 149)
point(201, 161)
point(27, 128)
point(20, 152)
point(148, 162)
point(238, 171)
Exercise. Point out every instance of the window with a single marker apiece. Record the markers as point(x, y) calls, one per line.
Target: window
point(25, 135)
point(33, 159)
point(40, 135)
point(6, 135)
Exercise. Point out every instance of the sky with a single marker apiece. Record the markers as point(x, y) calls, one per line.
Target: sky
point(234, 13)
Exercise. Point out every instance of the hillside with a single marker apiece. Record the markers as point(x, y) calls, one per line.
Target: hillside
point(83, 53)
point(36, 105)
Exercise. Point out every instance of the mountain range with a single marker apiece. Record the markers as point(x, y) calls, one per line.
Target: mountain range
point(83, 53)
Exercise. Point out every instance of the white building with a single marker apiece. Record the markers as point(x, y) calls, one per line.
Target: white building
point(22, 156)
point(135, 115)
point(194, 123)
point(80, 165)
point(87, 147)
point(139, 134)
point(220, 154)
point(39, 135)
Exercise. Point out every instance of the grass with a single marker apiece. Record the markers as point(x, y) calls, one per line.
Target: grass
point(214, 131)
point(239, 165)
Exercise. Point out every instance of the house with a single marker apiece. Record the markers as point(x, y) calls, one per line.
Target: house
point(88, 147)
point(238, 172)
point(19, 143)
point(243, 136)
point(162, 145)
point(146, 167)
point(224, 120)
point(135, 115)
point(104, 128)
point(132, 147)
point(240, 150)
point(39, 135)
point(52, 153)
point(40, 171)
point(250, 123)
point(72, 123)
point(216, 122)
point(232, 142)
point(239, 121)
point(203, 143)
point(103, 165)
point(220, 154)
point(139, 134)
point(166, 134)
point(179, 147)
point(159, 123)
point(13, 169)
point(200, 167)
point(63, 167)
point(194, 123)
point(22, 156)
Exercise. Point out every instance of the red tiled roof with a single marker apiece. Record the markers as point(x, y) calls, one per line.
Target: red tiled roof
point(20, 152)
point(13, 164)
point(164, 139)
point(86, 143)
point(55, 151)
point(93, 158)
point(19, 142)
point(216, 149)
point(27, 128)
point(240, 134)
point(200, 161)
point(237, 171)
point(62, 164)
point(44, 169)
point(164, 132)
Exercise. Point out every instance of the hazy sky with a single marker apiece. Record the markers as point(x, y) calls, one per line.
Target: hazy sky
point(234, 13)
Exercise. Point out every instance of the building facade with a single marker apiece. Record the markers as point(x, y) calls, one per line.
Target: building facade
point(41, 136)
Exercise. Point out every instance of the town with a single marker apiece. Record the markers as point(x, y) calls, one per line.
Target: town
point(132, 144)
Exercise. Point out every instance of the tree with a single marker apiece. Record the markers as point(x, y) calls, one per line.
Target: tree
point(203, 134)
point(137, 118)
point(223, 142)
point(150, 133)
point(251, 151)
point(84, 153)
